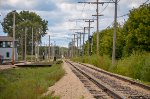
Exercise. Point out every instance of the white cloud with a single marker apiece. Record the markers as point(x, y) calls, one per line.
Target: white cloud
point(61, 11)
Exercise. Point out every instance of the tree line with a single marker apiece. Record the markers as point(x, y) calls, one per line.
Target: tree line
point(134, 35)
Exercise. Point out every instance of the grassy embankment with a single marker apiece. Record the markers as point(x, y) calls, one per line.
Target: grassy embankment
point(136, 66)
point(29, 83)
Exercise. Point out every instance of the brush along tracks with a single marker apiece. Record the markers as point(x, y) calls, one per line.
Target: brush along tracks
point(115, 86)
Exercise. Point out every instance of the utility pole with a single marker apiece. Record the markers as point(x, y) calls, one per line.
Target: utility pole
point(115, 26)
point(49, 48)
point(36, 46)
point(77, 37)
point(89, 21)
point(72, 48)
point(97, 15)
point(80, 33)
point(54, 48)
point(74, 45)
point(32, 46)
point(84, 38)
point(13, 49)
point(114, 36)
point(77, 45)
point(25, 45)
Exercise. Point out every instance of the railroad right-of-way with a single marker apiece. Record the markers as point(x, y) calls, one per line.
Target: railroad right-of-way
point(105, 85)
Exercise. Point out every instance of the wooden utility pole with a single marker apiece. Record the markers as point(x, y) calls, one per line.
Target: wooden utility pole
point(84, 38)
point(97, 15)
point(25, 45)
point(72, 48)
point(13, 49)
point(80, 37)
point(114, 36)
point(49, 48)
point(32, 46)
point(115, 26)
point(74, 51)
point(89, 21)
point(77, 45)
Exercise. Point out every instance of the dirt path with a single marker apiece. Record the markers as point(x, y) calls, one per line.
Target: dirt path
point(2, 67)
point(70, 87)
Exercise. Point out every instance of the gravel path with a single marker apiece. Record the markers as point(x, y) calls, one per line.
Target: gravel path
point(70, 87)
point(2, 67)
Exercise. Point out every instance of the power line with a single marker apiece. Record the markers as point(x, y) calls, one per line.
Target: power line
point(145, 2)
point(105, 8)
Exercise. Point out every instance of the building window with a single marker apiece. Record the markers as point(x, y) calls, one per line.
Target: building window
point(8, 44)
point(1, 44)
point(4, 44)
point(7, 54)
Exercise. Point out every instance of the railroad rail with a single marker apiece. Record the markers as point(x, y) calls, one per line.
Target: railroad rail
point(115, 86)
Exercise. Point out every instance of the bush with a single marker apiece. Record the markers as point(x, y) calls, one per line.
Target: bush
point(136, 66)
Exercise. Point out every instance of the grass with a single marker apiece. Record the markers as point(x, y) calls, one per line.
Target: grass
point(136, 66)
point(29, 83)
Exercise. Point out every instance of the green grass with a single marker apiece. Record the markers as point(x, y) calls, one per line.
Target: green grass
point(99, 61)
point(29, 83)
point(136, 66)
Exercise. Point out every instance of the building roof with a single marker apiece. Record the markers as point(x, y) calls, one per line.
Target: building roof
point(6, 38)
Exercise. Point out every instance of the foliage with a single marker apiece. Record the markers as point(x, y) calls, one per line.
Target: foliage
point(132, 36)
point(99, 61)
point(137, 29)
point(31, 83)
point(29, 20)
point(136, 66)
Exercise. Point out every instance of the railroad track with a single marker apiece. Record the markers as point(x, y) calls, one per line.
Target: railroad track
point(110, 85)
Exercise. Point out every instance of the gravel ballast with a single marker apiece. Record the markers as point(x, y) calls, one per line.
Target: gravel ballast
point(70, 87)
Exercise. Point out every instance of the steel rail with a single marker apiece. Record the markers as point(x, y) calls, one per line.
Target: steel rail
point(101, 85)
point(119, 77)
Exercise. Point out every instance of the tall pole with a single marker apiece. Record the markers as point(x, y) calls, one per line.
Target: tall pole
point(97, 10)
point(72, 48)
point(25, 45)
point(83, 40)
point(114, 36)
point(13, 49)
point(32, 46)
point(54, 49)
point(36, 46)
point(89, 35)
point(49, 48)
point(38, 43)
point(80, 43)
point(77, 46)
point(74, 45)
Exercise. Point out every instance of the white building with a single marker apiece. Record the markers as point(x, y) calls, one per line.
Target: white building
point(6, 44)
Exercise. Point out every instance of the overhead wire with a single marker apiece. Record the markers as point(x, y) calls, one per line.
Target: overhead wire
point(145, 2)
point(105, 7)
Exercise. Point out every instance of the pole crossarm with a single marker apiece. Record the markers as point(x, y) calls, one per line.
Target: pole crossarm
point(98, 15)
point(88, 27)
point(96, 2)
point(75, 29)
point(89, 21)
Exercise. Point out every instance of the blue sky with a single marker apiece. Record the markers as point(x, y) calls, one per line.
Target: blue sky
point(60, 15)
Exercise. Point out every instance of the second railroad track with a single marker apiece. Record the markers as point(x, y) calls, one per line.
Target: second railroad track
point(105, 85)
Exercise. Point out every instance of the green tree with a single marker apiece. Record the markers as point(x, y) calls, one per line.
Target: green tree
point(29, 20)
point(137, 29)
